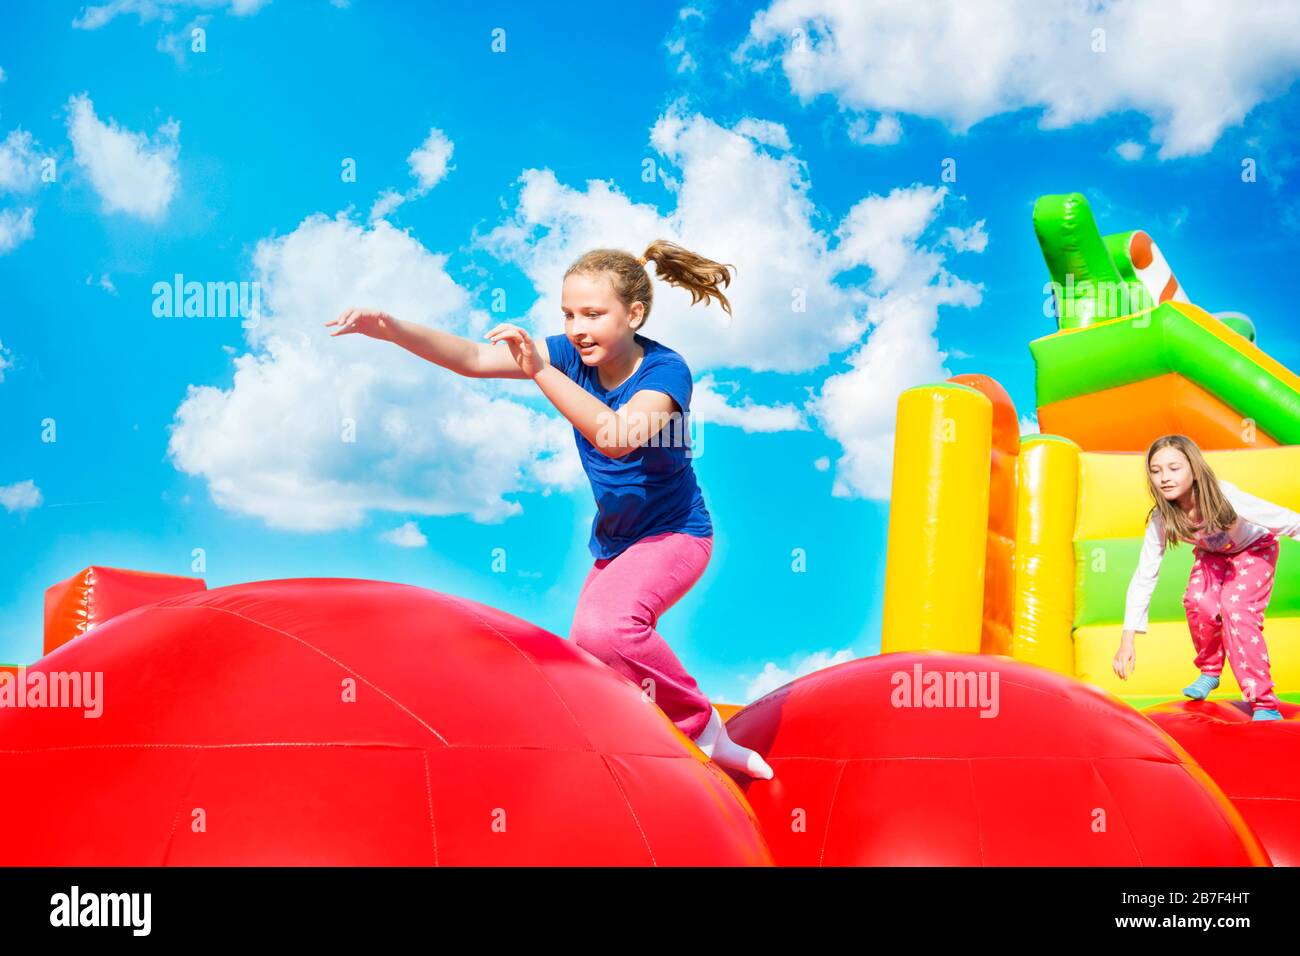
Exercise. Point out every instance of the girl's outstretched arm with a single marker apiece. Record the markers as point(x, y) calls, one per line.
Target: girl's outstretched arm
point(460, 355)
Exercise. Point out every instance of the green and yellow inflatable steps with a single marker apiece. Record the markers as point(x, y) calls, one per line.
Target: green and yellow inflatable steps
point(1174, 369)
point(1133, 358)
point(981, 524)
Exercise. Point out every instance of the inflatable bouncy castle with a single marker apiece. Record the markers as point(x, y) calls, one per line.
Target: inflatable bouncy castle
point(339, 721)
point(1029, 543)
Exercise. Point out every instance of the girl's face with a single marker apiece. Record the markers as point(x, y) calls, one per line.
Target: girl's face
point(1171, 473)
point(595, 320)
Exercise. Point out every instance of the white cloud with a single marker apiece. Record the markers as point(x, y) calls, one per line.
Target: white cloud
point(690, 20)
point(963, 61)
point(19, 163)
point(764, 131)
point(383, 207)
point(428, 163)
point(6, 360)
point(427, 442)
point(105, 282)
point(880, 232)
point(822, 464)
point(21, 496)
point(94, 17)
point(3, 76)
point(405, 536)
point(177, 44)
point(857, 408)
point(711, 407)
point(19, 173)
point(429, 160)
point(16, 227)
point(886, 131)
point(974, 239)
point(131, 172)
point(1028, 424)
point(1130, 151)
point(774, 676)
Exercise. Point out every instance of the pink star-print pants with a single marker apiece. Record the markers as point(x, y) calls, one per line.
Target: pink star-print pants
point(1225, 602)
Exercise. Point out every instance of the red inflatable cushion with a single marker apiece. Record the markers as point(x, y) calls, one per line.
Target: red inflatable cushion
point(1058, 774)
point(1256, 764)
point(92, 596)
point(336, 721)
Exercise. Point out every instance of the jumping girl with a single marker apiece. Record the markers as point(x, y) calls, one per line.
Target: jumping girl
point(1235, 535)
point(628, 398)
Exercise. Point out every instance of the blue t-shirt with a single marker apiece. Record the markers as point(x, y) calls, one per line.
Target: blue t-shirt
point(651, 489)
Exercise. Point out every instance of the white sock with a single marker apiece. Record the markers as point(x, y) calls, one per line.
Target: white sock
point(725, 752)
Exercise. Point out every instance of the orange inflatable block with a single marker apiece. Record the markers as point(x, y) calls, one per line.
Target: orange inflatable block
point(92, 596)
point(1130, 417)
point(725, 711)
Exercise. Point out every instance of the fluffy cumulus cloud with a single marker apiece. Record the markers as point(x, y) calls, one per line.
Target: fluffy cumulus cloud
point(97, 15)
point(316, 431)
point(774, 676)
point(175, 41)
point(19, 176)
point(684, 35)
point(963, 61)
point(19, 163)
point(800, 297)
point(20, 496)
point(712, 402)
point(133, 173)
point(16, 227)
point(884, 131)
point(405, 536)
point(909, 285)
point(6, 360)
point(429, 163)
point(1130, 150)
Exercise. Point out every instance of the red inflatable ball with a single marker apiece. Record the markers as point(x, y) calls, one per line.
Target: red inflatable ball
point(337, 721)
point(924, 759)
point(1256, 764)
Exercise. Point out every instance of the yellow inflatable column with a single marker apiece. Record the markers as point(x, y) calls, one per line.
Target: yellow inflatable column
point(1048, 480)
point(938, 520)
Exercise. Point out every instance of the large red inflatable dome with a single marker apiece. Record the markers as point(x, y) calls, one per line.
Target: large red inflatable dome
point(1256, 764)
point(1038, 769)
point(338, 721)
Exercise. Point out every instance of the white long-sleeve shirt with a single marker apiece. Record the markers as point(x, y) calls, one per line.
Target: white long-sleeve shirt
point(1255, 518)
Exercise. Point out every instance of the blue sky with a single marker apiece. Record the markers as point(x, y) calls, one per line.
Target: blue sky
point(493, 144)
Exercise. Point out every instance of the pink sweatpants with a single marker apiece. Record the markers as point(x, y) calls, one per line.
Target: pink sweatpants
point(618, 611)
point(1225, 601)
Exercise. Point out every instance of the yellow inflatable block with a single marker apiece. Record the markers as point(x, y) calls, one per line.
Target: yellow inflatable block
point(938, 521)
point(1166, 658)
point(1113, 496)
point(1043, 617)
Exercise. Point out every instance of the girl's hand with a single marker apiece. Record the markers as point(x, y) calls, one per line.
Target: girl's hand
point(522, 348)
point(377, 325)
point(1125, 662)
